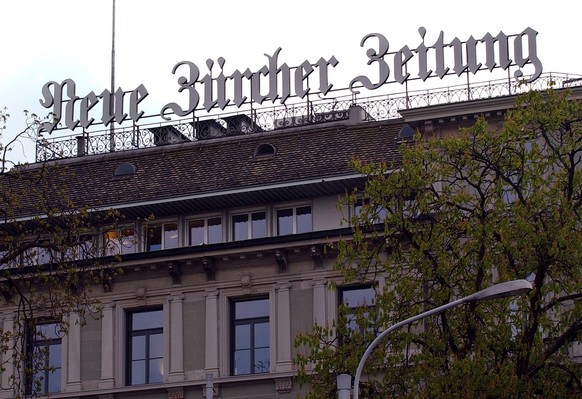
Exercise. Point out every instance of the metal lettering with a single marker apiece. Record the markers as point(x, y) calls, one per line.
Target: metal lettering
point(186, 83)
point(532, 55)
point(374, 57)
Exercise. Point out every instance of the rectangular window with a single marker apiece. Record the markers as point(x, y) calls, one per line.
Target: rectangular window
point(294, 220)
point(249, 225)
point(354, 298)
point(205, 231)
point(37, 255)
point(3, 254)
point(82, 248)
point(375, 214)
point(44, 357)
point(250, 336)
point(162, 236)
point(145, 348)
point(120, 241)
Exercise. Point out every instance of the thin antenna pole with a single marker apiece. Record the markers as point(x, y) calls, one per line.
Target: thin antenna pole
point(111, 106)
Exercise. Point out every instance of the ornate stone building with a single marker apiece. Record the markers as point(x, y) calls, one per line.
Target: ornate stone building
point(223, 246)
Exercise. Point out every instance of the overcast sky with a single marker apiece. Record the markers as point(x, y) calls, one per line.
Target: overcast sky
point(46, 40)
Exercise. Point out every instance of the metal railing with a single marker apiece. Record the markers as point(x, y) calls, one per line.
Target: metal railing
point(308, 112)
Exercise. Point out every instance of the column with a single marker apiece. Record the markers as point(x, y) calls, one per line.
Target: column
point(211, 334)
point(7, 360)
point(283, 327)
point(319, 301)
point(73, 354)
point(176, 338)
point(107, 345)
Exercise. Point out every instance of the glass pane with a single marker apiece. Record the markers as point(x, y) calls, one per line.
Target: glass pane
point(242, 336)
point(128, 240)
point(262, 362)
point(214, 230)
point(284, 221)
point(259, 226)
point(154, 238)
point(170, 235)
point(242, 362)
point(156, 345)
point(55, 355)
point(147, 320)
point(252, 309)
point(138, 372)
point(196, 232)
point(111, 243)
point(48, 331)
point(138, 345)
point(54, 381)
point(359, 297)
point(261, 335)
point(156, 371)
point(38, 383)
point(240, 229)
point(304, 219)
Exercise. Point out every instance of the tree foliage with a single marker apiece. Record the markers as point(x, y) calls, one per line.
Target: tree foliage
point(456, 215)
point(49, 260)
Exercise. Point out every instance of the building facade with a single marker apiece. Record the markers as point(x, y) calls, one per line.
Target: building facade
point(226, 248)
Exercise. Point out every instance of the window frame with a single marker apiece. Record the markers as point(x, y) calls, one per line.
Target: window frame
point(252, 321)
point(163, 232)
point(46, 343)
point(351, 315)
point(205, 219)
point(119, 241)
point(294, 208)
point(147, 332)
point(249, 216)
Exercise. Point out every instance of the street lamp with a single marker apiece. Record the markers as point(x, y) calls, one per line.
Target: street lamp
point(502, 290)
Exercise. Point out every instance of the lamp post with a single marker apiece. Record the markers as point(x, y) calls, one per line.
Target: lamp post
point(502, 290)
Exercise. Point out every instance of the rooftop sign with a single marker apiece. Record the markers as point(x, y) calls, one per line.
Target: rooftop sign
point(277, 82)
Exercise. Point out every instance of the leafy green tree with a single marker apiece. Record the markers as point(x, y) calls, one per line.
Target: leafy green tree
point(456, 215)
point(49, 261)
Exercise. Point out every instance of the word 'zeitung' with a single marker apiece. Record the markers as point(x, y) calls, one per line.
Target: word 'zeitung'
point(279, 82)
point(467, 57)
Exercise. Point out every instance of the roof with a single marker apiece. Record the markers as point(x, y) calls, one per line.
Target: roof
point(212, 174)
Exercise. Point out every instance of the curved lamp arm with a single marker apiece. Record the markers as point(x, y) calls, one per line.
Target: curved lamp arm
point(502, 290)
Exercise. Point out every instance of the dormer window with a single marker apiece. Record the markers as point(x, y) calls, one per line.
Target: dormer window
point(265, 150)
point(125, 169)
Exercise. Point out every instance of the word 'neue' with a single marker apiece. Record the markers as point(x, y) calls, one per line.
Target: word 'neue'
point(277, 81)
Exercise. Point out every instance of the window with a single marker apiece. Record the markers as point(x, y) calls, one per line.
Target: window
point(354, 298)
point(250, 336)
point(145, 348)
point(36, 255)
point(205, 230)
point(161, 236)
point(82, 248)
point(120, 241)
point(294, 220)
point(3, 254)
point(249, 225)
point(44, 357)
point(376, 214)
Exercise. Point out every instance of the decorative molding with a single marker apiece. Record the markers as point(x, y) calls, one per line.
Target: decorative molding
point(284, 286)
point(175, 393)
point(283, 384)
point(320, 282)
point(281, 259)
point(246, 281)
point(316, 252)
point(175, 272)
point(209, 266)
point(141, 294)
